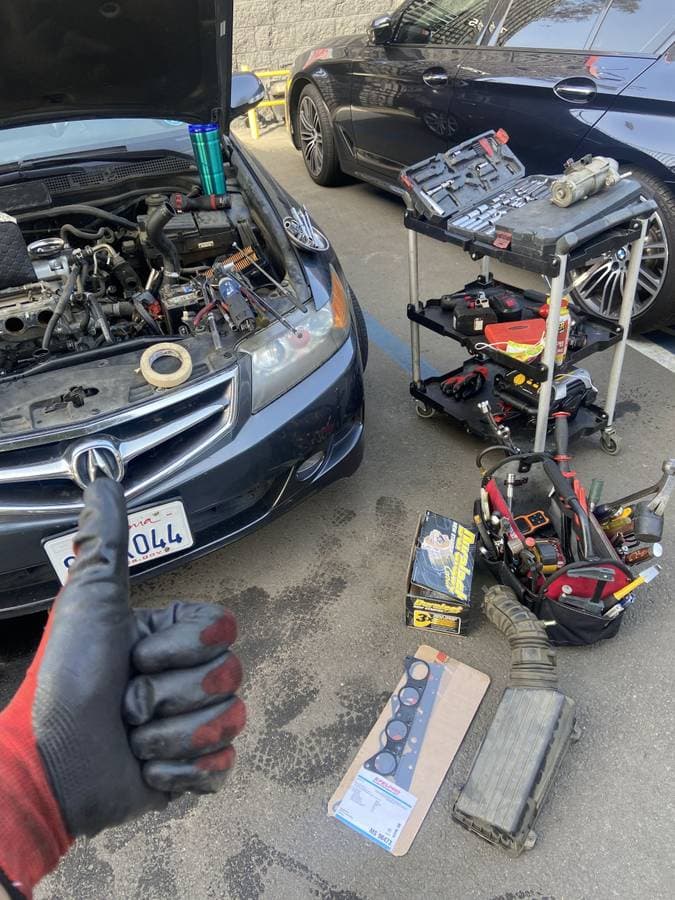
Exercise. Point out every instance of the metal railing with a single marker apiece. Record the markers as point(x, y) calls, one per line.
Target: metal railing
point(269, 101)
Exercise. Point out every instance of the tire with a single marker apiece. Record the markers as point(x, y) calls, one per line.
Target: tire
point(317, 138)
point(655, 298)
point(361, 330)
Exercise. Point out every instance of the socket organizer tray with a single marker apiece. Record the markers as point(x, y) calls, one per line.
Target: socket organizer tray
point(477, 196)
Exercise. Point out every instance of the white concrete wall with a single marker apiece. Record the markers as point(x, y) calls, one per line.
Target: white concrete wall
point(271, 33)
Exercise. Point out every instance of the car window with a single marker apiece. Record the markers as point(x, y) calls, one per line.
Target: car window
point(550, 25)
point(450, 23)
point(58, 138)
point(635, 26)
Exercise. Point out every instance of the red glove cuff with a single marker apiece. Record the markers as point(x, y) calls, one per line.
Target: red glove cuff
point(33, 836)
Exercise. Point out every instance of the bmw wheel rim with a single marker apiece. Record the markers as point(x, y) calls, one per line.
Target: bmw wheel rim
point(310, 135)
point(599, 284)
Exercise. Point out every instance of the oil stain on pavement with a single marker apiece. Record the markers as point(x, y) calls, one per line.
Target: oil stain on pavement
point(246, 873)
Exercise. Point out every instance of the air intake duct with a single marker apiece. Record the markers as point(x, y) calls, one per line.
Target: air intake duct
point(529, 735)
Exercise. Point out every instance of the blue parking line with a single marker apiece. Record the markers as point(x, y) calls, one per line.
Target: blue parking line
point(663, 339)
point(393, 346)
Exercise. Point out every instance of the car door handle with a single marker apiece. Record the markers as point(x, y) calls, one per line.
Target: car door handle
point(435, 77)
point(575, 90)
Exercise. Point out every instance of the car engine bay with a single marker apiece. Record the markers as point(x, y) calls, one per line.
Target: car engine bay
point(161, 266)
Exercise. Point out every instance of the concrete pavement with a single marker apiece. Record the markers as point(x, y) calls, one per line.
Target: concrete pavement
point(319, 597)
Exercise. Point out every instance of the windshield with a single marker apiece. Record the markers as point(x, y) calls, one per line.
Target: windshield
point(58, 138)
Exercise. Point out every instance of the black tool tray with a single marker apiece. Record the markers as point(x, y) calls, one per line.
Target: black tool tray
point(514, 218)
point(459, 179)
point(599, 334)
point(465, 413)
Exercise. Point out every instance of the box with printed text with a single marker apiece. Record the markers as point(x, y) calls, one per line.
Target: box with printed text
point(440, 575)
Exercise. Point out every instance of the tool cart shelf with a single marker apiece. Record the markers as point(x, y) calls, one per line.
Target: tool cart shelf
point(476, 197)
point(466, 414)
point(599, 335)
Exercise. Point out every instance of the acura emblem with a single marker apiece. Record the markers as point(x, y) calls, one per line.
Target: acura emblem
point(89, 460)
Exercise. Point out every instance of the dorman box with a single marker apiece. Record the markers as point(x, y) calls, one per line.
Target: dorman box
point(440, 575)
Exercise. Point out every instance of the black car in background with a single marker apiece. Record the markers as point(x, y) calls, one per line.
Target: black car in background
point(563, 77)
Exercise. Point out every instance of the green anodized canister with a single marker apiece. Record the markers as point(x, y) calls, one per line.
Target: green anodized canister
point(209, 156)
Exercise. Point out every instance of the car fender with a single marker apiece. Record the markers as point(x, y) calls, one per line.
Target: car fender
point(644, 140)
point(639, 128)
point(329, 69)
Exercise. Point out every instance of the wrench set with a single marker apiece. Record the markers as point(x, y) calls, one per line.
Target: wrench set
point(484, 217)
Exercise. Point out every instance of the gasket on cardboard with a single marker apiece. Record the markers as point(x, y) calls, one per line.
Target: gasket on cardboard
point(396, 731)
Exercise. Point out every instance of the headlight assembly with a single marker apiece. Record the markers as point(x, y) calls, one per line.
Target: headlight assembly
point(281, 359)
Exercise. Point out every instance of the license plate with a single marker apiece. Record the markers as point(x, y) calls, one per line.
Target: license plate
point(153, 532)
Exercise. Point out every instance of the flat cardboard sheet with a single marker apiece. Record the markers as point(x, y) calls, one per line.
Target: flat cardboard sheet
point(457, 697)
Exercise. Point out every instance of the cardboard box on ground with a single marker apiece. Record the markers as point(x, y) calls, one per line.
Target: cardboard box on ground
point(440, 574)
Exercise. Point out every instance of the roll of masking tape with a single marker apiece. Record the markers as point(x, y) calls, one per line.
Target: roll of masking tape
point(165, 379)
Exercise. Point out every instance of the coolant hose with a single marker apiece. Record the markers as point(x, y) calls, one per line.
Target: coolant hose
point(533, 659)
point(155, 224)
point(80, 209)
point(103, 234)
point(62, 302)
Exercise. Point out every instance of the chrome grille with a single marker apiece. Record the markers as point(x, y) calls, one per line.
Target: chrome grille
point(154, 439)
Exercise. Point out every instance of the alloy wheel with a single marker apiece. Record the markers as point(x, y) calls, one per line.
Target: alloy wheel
point(599, 284)
point(310, 135)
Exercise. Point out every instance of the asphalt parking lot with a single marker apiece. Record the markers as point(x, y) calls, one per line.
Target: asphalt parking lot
point(319, 598)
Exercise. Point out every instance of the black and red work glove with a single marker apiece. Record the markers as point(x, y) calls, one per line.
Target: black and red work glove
point(120, 711)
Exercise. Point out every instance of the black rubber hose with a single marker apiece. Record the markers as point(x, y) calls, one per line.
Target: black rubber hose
point(533, 659)
point(66, 293)
point(75, 209)
point(122, 309)
point(562, 439)
point(529, 458)
point(154, 226)
point(102, 234)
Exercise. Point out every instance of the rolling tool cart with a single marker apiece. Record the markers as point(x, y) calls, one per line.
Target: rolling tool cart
point(477, 197)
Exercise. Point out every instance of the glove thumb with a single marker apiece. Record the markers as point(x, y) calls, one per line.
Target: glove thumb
point(101, 568)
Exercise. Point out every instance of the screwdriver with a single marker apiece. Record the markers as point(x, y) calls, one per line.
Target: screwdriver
point(643, 578)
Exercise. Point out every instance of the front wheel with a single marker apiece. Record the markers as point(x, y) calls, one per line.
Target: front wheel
point(317, 138)
point(597, 286)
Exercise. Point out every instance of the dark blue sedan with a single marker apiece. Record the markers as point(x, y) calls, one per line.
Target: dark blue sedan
point(168, 318)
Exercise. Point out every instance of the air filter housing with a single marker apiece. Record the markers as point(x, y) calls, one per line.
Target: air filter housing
point(520, 754)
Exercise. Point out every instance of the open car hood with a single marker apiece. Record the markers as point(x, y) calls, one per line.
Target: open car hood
point(79, 59)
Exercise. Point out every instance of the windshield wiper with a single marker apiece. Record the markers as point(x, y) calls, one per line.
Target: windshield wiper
point(32, 167)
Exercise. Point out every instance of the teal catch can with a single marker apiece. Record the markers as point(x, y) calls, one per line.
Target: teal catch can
point(209, 156)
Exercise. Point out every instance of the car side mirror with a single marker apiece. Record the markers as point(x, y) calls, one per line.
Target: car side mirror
point(246, 92)
point(381, 30)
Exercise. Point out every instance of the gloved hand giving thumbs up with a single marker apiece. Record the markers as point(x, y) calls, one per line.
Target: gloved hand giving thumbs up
point(121, 709)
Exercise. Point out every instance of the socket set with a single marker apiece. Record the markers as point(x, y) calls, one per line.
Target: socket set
point(477, 196)
point(482, 219)
point(455, 181)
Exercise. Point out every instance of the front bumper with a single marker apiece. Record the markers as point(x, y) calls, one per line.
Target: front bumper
point(237, 487)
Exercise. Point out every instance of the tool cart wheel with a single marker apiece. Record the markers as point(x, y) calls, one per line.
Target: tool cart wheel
point(423, 410)
point(609, 441)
